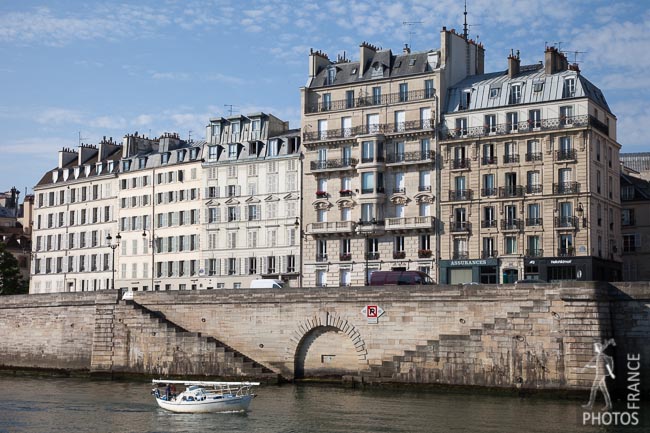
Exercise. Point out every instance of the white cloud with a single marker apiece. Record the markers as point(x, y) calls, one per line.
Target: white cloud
point(58, 116)
point(181, 76)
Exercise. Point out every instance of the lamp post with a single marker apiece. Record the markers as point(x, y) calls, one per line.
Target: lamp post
point(580, 211)
point(296, 225)
point(113, 246)
point(365, 234)
point(152, 244)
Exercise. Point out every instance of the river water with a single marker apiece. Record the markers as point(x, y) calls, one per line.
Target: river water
point(83, 405)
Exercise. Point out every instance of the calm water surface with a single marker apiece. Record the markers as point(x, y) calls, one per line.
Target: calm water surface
point(81, 405)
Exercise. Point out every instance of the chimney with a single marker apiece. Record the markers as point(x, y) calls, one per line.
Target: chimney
point(554, 61)
point(513, 64)
point(66, 156)
point(86, 152)
point(407, 49)
point(317, 61)
point(367, 52)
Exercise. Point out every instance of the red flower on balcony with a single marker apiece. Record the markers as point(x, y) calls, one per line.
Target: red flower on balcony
point(424, 253)
point(321, 194)
point(345, 257)
point(345, 192)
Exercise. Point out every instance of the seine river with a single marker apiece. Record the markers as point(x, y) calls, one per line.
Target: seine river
point(82, 405)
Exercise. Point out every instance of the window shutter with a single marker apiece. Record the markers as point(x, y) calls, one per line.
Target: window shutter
point(246, 266)
point(238, 266)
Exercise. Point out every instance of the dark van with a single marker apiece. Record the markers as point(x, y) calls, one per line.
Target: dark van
point(398, 278)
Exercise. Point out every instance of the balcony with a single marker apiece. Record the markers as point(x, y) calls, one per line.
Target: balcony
point(424, 188)
point(566, 252)
point(488, 224)
point(533, 222)
point(566, 188)
point(321, 257)
point(488, 160)
point(399, 190)
point(333, 227)
point(566, 155)
point(460, 164)
point(534, 189)
point(425, 254)
point(534, 253)
point(322, 194)
point(569, 222)
point(488, 192)
point(345, 257)
point(372, 256)
point(372, 158)
point(460, 194)
point(511, 224)
point(368, 101)
point(416, 156)
point(510, 159)
point(511, 191)
point(489, 254)
point(460, 255)
point(345, 193)
point(331, 164)
point(399, 254)
point(460, 226)
point(556, 123)
point(379, 128)
point(410, 223)
point(534, 156)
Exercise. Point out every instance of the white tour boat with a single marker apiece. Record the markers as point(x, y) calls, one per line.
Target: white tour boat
point(203, 397)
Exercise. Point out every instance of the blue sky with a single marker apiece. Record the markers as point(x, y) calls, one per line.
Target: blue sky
point(111, 68)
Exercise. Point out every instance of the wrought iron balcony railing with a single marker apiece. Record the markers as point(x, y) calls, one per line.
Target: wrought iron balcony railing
point(511, 224)
point(533, 222)
point(460, 226)
point(511, 191)
point(534, 156)
point(460, 163)
point(488, 224)
point(566, 188)
point(334, 163)
point(460, 194)
point(534, 189)
point(534, 253)
point(410, 156)
point(488, 254)
point(565, 252)
point(566, 222)
point(566, 155)
point(510, 159)
point(365, 101)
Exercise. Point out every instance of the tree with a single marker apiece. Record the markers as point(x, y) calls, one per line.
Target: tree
point(11, 282)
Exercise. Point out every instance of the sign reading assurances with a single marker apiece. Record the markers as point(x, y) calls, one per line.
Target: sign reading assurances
point(372, 313)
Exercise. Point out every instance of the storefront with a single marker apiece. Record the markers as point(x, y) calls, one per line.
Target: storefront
point(484, 271)
point(572, 268)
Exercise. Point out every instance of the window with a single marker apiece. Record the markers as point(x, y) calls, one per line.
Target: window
point(234, 130)
point(569, 90)
point(367, 183)
point(232, 151)
point(512, 120)
point(494, 92)
point(511, 244)
point(538, 86)
point(212, 153)
point(252, 265)
point(376, 95)
point(627, 217)
point(534, 118)
point(232, 213)
point(403, 92)
point(429, 90)
point(331, 74)
point(327, 101)
point(566, 115)
point(367, 151)
point(488, 185)
point(515, 94)
point(631, 242)
point(489, 217)
point(216, 130)
point(461, 126)
point(349, 99)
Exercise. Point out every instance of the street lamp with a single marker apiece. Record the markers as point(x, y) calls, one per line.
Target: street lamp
point(112, 245)
point(366, 234)
point(580, 211)
point(152, 244)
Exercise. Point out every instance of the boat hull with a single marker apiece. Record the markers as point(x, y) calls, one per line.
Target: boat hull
point(209, 405)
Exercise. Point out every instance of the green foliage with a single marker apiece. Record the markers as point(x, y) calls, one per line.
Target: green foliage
point(11, 282)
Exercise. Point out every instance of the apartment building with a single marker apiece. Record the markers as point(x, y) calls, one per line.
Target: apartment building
point(370, 157)
point(251, 178)
point(635, 222)
point(159, 205)
point(530, 177)
point(74, 211)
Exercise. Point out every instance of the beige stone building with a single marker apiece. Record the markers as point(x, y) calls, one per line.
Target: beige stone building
point(251, 178)
point(74, 211)
point(530, 177)
point(370, 155)
point(635, 226)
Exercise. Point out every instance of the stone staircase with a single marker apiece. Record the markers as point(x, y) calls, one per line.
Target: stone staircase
point(144, 341)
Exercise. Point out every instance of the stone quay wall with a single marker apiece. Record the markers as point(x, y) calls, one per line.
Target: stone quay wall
point(532, 336)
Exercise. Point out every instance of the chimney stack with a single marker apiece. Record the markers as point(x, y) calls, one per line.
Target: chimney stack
point(367, 52)
point(554, 61)
point(513, 64)
point(407, 49)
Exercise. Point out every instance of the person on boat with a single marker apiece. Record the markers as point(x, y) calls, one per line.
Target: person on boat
point(168, 392)
point(173, 390)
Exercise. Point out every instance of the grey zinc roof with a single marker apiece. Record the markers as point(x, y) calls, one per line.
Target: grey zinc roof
point(553, 86)
point(394, 66)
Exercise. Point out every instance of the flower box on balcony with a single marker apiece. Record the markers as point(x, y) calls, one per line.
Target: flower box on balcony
point(345, 257)
point(345, 192)
point(399, 254)
point(321, 194)
point(423, 254)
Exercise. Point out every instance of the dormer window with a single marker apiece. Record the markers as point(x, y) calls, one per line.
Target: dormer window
point(142, 163)
point(377, 71)
point(180, 155)
point(515, 94)
point(76, 172)
point(331, 75)
point(232, 151)
point(216, 129)
point(111, 166)
point(99, 167)
point(569, 88)
point(55, 176)
point(234, 130)
point(494, 92)
point(465, 99)
point(194, 152)
point(538, 86)
point(164, 158)
point(126, 165)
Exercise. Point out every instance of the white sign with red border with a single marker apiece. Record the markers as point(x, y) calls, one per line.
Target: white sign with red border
point(372, 313)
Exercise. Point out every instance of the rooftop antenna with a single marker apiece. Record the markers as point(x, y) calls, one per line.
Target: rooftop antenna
point(465, 28)
point(410, 25)
point(230, 109)
point(81, 138)
point(575, 55)
point(189, 136)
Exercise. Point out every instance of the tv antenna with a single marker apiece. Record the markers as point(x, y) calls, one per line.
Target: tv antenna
point(230, 108)
point(575, 55)
point(410, 25)
point(81, 138)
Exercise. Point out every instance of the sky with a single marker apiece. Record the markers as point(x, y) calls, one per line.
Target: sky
point(76, 71)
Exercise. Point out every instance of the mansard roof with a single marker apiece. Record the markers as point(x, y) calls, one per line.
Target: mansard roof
point(530, 77)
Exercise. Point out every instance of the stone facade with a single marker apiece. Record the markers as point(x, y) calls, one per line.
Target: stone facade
point(536, 337)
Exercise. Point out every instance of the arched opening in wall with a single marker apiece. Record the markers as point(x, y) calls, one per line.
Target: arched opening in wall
point(325, 352)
